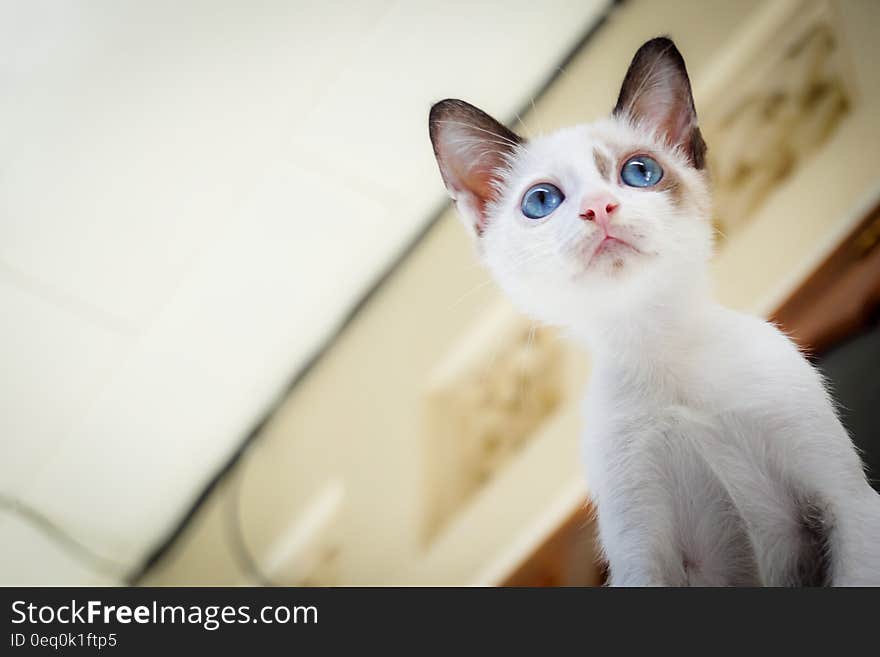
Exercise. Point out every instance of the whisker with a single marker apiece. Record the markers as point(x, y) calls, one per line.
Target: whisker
point(525, 128)
point(476, 288)
point(536, 115)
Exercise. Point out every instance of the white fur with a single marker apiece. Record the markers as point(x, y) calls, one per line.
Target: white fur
point(707, 432)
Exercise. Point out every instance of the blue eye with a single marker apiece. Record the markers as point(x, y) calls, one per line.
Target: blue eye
point(541, 200)
point(641, 171)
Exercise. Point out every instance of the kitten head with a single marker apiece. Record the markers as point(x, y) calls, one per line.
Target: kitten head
point(594, 218)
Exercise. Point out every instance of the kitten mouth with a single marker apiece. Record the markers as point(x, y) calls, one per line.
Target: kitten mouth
point(611, 246)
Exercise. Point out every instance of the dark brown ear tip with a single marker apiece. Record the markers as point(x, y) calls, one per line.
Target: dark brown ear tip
point(443, 106)
point(453, 109)
point(444, 110)
point(662, 41)
point(658, 44)
point(661, 46)
point(439, 109)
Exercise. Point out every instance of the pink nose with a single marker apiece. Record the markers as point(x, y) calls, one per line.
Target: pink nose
point(599, 209)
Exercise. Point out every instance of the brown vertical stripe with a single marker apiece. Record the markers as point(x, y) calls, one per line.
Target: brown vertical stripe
point(602, 164)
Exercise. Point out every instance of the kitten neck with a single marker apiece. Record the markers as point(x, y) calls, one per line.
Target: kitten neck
point(655, 331)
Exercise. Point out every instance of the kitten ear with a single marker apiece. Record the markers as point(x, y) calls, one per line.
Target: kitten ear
point(472, 149)
point(656, 92)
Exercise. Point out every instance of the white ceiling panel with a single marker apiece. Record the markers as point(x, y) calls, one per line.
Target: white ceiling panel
point(53, 363)
point(29, 558)
point(117, 171)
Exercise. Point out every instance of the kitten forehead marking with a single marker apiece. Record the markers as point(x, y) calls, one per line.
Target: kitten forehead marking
point(603, 166)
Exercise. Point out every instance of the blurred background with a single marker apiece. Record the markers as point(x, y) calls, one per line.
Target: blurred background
point(244, 339)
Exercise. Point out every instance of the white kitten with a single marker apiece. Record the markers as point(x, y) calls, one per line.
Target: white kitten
point(713, 452)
